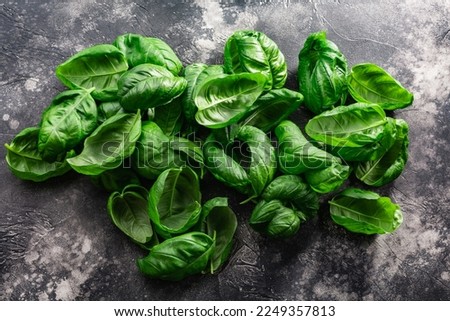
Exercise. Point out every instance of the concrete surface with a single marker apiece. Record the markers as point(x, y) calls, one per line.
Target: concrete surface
point(56, 241)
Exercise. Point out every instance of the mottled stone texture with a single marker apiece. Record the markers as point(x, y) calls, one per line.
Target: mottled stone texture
point(56, 241)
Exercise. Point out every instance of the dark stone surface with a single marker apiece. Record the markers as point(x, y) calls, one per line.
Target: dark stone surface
point(56, 241)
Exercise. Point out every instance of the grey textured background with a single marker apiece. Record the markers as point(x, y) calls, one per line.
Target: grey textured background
point(56, 241)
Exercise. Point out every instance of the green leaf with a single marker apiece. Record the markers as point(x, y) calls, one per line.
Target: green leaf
point(390, 165)
point(116, 180)
point(128, 211)
point(370, 83)
point(108, 145)
point(328, 179)
point(25, 161)
point(296, 154)
point(169, 117)
point(69, 119)
point(99, 66)
point(174, 201)
point(322, 73)
point(365, 212)
point(272, 108)
point(108, 109)
point(178, 257)
point(142, 50)
point(252, 51)
point(148, 86)
point(224, 99)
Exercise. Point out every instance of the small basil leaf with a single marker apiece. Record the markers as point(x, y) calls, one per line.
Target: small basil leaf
point(108, 145)
point(25, 161)
point(322, 73)
point(253, 51)
point(390, 165)
point(108, 109)
point(370, 83)
point(365, 212)
point(174, 200)
point(178, 257)
point(116, 179)
point(189, 153)
point(69, 119)
point(99, 66)
point(141, 50)
point(224, 99)
point(148, 86)
point(328, 179)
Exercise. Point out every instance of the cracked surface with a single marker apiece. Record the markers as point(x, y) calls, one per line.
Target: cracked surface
point(57, 243)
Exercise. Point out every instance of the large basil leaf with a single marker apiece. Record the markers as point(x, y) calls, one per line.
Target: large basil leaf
point(293, 191)
point(253, 51)
point(170, 117)
point(108, 145)
point(116, 180)
point(174, 200)
point(370, 83)
point(224, 99)
point(108, 109)
point(390, 165)
point(128, 211)
point(70, 118)
point(178, 257)
point(141, 50)
point(195, 74)
point(322, 73)
point(365, 212)
point(25, 161)
point(296, 154)
point(328, 179)
point(99, 66)
point(263, 161)
point(274, 219)
point(148, 86)
point(221, 224)
point(272, 108)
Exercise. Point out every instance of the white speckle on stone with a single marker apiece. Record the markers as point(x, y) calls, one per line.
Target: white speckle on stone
point(31, 257)
point(5, 117)
point(445, 276)
point(64, 291)
point(31, 84)
point(86, 247)
point(14, 124)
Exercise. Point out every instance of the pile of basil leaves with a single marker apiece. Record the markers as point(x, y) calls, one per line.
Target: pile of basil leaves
point(134, 118)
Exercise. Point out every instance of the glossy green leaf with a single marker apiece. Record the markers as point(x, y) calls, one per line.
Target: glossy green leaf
point(108, 109)
point(224, 99)
point(69, 119)
point(322, 73)
point(148, 86)
point(370, 83)
point(178, 257)
point(365, 212)
point(25, 161)
point(296, 154)
point(252, 51)
point(116, 180)
point(390, 165)
point(108, 145)
point(272, 108)
point(169, 117)
point(99, 66)
point(174, 201)
point(328, 179)
point(139, 50)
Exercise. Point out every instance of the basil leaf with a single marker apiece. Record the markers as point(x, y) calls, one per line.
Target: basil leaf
point(148, 86)
point(25, 161)
point(274, 219)
point(322, 73)
point(369, 83)
point(178, 257)
point(108, 145)
point(293, 191)
point(170, 117)
point(174, 201)
point(365, 212)
point(272, 108)
point(221, 224)
point(70, 118)
point(253, 51)
point(390, 165)
point(141, 50)
point(116, 180)
point(195, 74)
point(108, 109)
point(188, 152)
point(224, 99)
point(296, 154)
point(328, 179)
point(99, 66)
point(128, 211)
